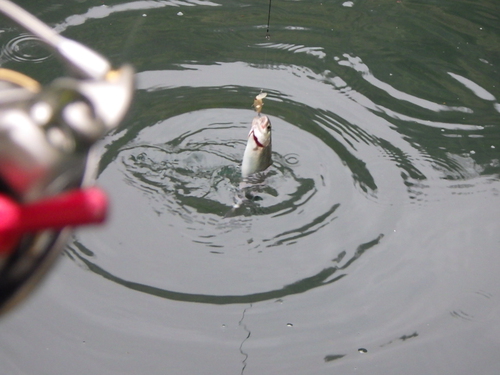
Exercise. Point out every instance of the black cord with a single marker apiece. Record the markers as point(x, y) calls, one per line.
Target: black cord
point(268, 20)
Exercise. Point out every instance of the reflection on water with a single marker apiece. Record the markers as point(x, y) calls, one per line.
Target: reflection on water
point(372, 243)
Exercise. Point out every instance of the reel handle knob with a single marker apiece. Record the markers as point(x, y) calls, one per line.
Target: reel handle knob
point(73, 208)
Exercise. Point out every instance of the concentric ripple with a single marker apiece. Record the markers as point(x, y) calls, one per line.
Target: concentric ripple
point(340, 179)
point(26, 48)
point(342, 174)
point(181, 179)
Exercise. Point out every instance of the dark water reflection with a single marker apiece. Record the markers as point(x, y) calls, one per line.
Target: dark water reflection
point(373, 248)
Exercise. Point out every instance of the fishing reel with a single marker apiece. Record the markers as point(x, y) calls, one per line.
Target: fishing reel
point(46, 137)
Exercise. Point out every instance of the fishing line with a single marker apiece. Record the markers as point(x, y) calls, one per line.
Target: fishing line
point(131, 38)
point(268, 36)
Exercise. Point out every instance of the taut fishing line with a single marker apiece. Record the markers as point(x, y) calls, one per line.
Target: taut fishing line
point(129, 41)
point(268, 36)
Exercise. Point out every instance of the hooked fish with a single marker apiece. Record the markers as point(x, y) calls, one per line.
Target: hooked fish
point(257, 156)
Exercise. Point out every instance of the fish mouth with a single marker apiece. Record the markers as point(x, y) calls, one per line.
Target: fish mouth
point(264, 122)
point(260, 131)
point(261, 122)
point(256, 140)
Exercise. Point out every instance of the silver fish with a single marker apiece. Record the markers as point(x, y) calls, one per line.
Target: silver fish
point(257, 156)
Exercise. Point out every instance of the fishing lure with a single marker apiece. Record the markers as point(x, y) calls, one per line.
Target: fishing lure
point(258, 103)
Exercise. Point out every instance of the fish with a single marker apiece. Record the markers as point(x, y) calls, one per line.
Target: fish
point(257, 155)
point(256, 158)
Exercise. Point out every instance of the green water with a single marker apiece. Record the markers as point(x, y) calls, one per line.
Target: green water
point(373, 249)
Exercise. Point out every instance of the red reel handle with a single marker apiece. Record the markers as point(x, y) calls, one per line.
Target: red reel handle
point(73, 208)
point(77, 207)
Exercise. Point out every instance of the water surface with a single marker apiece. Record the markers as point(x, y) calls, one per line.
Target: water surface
point(373, 248)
